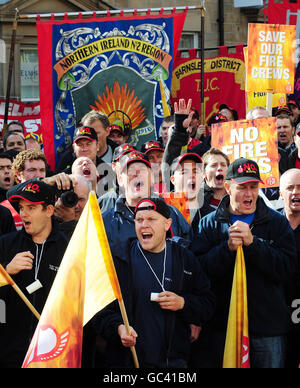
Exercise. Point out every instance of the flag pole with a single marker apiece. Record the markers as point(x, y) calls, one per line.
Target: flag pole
point(19, 292)
point(126, 323)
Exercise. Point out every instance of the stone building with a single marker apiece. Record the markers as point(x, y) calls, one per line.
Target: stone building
point(224, 25)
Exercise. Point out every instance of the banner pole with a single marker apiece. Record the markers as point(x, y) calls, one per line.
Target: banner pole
point(19, 292)
point(10, 69)
point(202, 66)
point(126, 323)
point(112, 12)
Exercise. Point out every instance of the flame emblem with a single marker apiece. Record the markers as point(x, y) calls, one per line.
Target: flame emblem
point(47, 346)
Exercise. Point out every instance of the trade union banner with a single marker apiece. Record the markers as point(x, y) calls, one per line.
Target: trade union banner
point(251, 139)
point(121, 66)
point(224, 81)
point(28, 113)
point(271, 58)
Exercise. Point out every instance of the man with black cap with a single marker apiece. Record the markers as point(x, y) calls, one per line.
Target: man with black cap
point(164, 289)
point(242, 218)
point(32, 257)
point(155, 151)
point(136, 180)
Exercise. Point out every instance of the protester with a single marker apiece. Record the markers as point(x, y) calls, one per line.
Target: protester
point(15, 126)
point(215, 165)
point(32, 257)
point(164, 289)
point(187, 178)
point(135, 178)
point(294, 108)
point(230, 113)
point(166, 124)
point(294, 156)
point(29, 164)
point(6, 174)
point(257, 112)
point(242, 218)
point(100, 123)
point(32, 142)
point(116, 134)
point(14, 141)
point(85, 167)
point(107, 201)
point(285, 130)
point(68, 216)
point(155, 151)
point(290, 193)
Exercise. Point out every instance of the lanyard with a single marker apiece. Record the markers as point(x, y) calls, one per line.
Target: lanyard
point(38, 260)
point(162, 282)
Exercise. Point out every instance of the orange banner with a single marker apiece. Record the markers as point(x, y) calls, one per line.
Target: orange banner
point(271, 58)
point(252, 139)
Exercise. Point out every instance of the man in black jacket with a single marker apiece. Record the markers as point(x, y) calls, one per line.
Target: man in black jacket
point(164, 290)
point(242, 218)
point(32, 257)
point(290, 193)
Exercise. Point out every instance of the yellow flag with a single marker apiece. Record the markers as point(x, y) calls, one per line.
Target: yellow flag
point(4, 280)
point(82, 287)
point(236, 354)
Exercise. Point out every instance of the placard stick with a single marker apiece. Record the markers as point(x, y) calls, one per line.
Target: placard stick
point(269, 103)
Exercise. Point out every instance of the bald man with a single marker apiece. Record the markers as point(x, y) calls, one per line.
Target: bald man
point(290, 194)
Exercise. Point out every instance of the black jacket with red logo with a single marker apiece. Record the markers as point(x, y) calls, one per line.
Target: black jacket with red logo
point(17, 322)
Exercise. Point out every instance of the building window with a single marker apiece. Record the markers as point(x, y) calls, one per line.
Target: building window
point(29, 75)
point(188, 40)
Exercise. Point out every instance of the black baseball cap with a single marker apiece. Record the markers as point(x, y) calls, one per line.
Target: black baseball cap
point(157, 204)
point(133, 157)
point(152, 145)
point(122, 150)
point(117, 128)
point(189, 156)
point(217, 118)
point(283, 109)
point(233, 111)
point(32, 191)
point(85, 133)
point(243, 171)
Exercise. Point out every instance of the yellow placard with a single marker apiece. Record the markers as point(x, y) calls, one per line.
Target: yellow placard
point(251, 139)
point(271, 58)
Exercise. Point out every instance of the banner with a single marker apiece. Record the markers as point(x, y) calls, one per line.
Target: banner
point(84, 285)
point(224, 81)
point(285, 12)
point(252, 139)
point(236, 354)
point(121, 66)
point(28, 113)
point(271, 58)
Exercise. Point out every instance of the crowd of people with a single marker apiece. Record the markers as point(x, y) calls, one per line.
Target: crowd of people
point(175, 270)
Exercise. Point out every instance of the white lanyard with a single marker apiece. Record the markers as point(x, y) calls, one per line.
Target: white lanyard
point(162, 282)
point(38, 260)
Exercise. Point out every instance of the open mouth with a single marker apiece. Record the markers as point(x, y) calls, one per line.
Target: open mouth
point(7, 180)
point(248, 203)
point(138, 185)
point(295, 200)
point(146, 237)
point(26, 224)
point(220, 179)
point(86, 171)
point(191, 186)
